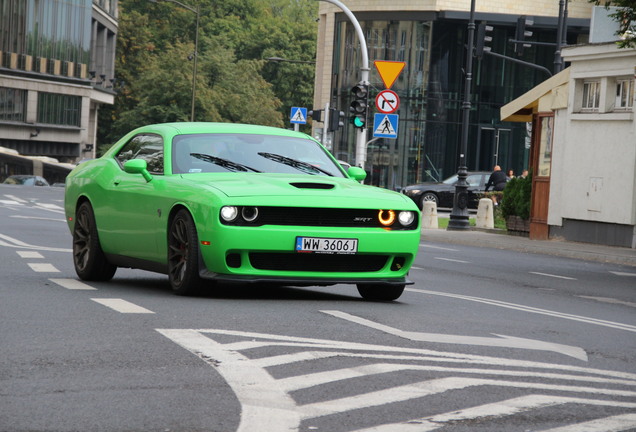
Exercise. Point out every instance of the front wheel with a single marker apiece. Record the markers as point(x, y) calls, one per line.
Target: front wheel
point(429, 197)
point(88, 257)
point(183, 255)
point(380, 292)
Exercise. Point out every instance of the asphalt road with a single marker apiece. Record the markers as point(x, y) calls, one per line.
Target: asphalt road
point(484, 340)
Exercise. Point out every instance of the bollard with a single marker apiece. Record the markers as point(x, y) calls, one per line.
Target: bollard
point(485, 217)
point(429, 215)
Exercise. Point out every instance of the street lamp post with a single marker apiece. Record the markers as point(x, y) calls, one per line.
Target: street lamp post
point(459, 215)
point(196, 48)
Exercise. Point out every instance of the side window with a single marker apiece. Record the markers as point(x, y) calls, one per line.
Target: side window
point(148, 147)
point(473, 180)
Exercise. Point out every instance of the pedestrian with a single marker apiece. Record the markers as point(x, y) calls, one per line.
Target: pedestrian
point(524, 174)
point(498, 181)
point(511, 174)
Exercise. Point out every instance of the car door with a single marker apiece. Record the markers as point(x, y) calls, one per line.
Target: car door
point(134, 202)
point(475, 187)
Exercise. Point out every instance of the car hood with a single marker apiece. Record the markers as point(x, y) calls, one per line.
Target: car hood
point(297, 188)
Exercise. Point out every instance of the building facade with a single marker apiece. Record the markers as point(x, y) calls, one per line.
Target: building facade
point(430, 37)
point(584, 147)
point(56, 70)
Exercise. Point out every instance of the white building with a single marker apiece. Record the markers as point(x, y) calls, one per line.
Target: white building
point(584, 146)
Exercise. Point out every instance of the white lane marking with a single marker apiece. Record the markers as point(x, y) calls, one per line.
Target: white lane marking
point(37, 218)
point(617, 423)
point(452, 260)
point(264, 405)
point(13, 242)
point(73, 284)
point(552, 275)
point(43, 268)
point(498, 409)
point(417, 268)
point(15, 198)
point(623, 273)
point(8, 202)
point(499, 341)
point(531, 309)
point(428, 246)
point(609, 300)
point(29, 254)
point(122, 306)
point(49, 206)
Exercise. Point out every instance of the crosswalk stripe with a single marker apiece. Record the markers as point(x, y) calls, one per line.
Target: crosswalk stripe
point(503, 408)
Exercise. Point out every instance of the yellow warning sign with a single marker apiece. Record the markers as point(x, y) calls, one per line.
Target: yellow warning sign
point(389, 71)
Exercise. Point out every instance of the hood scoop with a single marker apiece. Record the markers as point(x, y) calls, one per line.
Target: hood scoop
point(308, 185)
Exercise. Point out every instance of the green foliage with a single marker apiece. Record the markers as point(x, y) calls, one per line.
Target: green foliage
point(625, 16)
point(234, 83)
point(516, 198)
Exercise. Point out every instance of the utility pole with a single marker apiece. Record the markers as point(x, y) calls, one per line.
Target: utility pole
point(361, 133)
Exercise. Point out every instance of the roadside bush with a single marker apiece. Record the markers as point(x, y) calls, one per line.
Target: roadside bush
point(516, 198)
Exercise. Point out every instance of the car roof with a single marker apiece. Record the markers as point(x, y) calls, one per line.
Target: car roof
point(178, 128)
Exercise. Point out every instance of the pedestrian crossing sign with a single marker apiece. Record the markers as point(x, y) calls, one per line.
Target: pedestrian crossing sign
point(385, 125)
point(298, 115)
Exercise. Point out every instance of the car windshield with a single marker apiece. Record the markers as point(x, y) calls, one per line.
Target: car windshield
point(196, 153)
point(451, 180)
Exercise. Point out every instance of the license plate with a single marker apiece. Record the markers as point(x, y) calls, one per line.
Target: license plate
point(326, 245)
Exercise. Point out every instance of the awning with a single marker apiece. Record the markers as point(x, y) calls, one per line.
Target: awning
point(522, 108)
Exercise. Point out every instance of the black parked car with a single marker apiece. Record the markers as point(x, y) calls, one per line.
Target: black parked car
point(442, 193)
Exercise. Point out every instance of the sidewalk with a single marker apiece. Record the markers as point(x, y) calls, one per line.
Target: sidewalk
point(500, 240)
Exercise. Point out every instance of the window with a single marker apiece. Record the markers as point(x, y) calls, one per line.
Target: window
point(624, 94)
point(146, 147)
point(59, 109)
point(591, 95)
point(12, 104)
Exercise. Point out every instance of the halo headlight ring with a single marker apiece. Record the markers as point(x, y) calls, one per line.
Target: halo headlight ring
point(249, 214)
point(386, 217)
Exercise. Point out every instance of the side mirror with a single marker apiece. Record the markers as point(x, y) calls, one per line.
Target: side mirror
point(357, 173)
point(138, 166)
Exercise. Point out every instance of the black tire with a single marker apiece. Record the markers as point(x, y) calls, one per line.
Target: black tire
point(380, 292)
point(429, 196)
point(88, 257)
point(183, 255)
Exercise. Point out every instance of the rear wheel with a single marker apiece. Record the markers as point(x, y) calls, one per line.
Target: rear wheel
point(429, 197)
point(183, 255)
point(89, 259)
point(380, 292)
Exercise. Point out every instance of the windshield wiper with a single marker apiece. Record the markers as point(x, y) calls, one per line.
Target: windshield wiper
point(227, 164)
point(299, 165)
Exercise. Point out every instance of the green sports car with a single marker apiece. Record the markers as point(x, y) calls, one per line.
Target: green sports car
point(222, 202)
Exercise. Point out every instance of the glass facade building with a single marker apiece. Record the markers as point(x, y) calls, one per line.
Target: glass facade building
point(431, 87)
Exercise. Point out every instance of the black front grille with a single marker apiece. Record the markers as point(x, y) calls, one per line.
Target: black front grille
point(326, 217)
point(317, 262)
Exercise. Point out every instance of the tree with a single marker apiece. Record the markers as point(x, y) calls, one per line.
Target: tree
point(625, 16)
point(234, 83)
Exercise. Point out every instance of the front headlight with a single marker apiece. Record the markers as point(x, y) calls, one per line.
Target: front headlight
point(229, 213)
point(406, 218)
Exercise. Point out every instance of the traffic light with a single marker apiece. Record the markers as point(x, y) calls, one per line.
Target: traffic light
point(316, 115)
point(521, 34)
point(359, 106)
point(335, 119)
point(484, 38)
